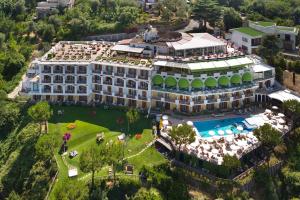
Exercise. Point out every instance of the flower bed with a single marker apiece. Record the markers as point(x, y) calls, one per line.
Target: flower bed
point(71, 126)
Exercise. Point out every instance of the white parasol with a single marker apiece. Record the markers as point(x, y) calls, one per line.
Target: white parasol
point(268, 111)
point(215, 151)
point(165, 122)
point(234, 147)
point(206, 146)
point(221, 132)
point(179, 125)
point(211, 133)
point(229, 132)
point(274, 107)
point(281, 121)
point(190, 123)
point(281, 115)
point(165, 117)
point(240, 128)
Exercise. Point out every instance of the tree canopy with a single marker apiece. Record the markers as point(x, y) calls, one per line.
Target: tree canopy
point(182, 135)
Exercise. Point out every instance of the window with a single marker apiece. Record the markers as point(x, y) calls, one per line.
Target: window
point(287, 37)
point(245, 39)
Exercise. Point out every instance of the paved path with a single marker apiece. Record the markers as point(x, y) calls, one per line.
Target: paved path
point(17, 89)
point(192, 25)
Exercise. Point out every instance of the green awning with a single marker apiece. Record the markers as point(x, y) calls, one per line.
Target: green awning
point(183, 83)
point(197, 83)
point(236, 79)
point(157, 80)
point(210, 82)
point(247, 77)
point(223, 81)
point(170, 81)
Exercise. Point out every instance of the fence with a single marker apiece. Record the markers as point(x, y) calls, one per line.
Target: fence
point(112, 37)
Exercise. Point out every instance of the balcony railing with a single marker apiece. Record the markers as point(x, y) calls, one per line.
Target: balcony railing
point(46, 90)
point(98, 71)
point(81, 71)
point(58, 91)
point(81, 91)
point(70, 71)
point(212, 100)
point(224, 98)
point(70, 81)
point(119, 84)
point(46, 81)
point(108, 72)
point(97, 81)
point(120, 94)
point(143, 87)
point(107, 82)
point(187, 102)
point(142, 97)
point(58, 71)
point(130, 86)
point(70, 91)
point(131, 75)
point(107, 92)
point(132, 96)
point(198, 101)
point(81, 81)
point(121, 74)
point(96, 90)
point(58, 81)
point(46, 71)
point(145, 77)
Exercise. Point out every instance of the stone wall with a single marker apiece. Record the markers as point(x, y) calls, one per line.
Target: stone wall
point(290, 81)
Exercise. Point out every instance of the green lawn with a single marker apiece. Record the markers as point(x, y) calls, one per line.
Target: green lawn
point(249, 31)
point(90, 121)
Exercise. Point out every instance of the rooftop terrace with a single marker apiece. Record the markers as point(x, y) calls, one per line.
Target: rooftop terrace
point(249, 31)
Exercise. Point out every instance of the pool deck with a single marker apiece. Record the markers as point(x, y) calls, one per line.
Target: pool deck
point(179, 119)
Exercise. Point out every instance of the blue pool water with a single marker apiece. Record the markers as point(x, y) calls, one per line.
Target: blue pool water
point(204, 127)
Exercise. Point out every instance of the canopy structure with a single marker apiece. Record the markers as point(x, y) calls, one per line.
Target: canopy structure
point(157, 80)
point(170, 81)
point(223, 81)
point(183, 83)
point(284, 95)
point(210, 82)
point(247, 77)
point(197, 83)
point(236, 79)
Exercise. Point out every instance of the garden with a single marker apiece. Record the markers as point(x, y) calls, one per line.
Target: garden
point(80, 129)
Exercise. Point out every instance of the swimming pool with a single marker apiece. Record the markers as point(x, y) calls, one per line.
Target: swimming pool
point(221, 127)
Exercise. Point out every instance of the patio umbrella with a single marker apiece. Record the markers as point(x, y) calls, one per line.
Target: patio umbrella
point(190, 123)
point(179, 125)
point(230, 153)
point(281, 121)
point(281, 115)
point(274, 107)
point(210, 139)
point(211, 132)
point(221, 132)
point(268, 111)
point(234, 147)
point(215, 151)
point(229, 132)
point(240, 128)
point(206, 146)
point(165, 117)
point(229, 139)
point(165, 122)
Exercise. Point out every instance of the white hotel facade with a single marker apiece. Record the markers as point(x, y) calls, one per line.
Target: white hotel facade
point(166, 71)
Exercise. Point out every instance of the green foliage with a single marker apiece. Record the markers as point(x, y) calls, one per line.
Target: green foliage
point(132, 116)
point(144, 194)
point(269, 47)
point(182, 135)
point(71, 190)
point(46, 145)
point(40, 112)
point(231, 19)
point(13, 196)
point(9, 115)
point(206, 11)
point(268, 135)
point(231, 162)
point(170, 9)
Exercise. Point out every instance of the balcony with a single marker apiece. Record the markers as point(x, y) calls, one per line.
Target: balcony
point(96, 90)
point(121, 74)
point(131, 96)
point(81, 71)
point(70, 91)
point(58, 91)
point(58, 81)
point(145, 77)
point(81, 91)
point(58, 71)
point(224, 98)
point(119, 84)
point(130, 86)
point(70, 81)
point(81, 81)
point(212, 100)
point(97, 71)
point(198, 101)
point(46, 81)
point(70, 71)
point(186, 102)
point(142, 97)
point(131, 75)
point(46, 71)
point(142, 87)
point(46, 90)
point(107, 92)
point(108, 72)
point(107, 82)
point(249, 95)
point(119, 94)
point(97, 81)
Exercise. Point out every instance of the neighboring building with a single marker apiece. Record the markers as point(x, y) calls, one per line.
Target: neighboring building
point(148, 5)
point(291, 80)
point(44, 8)
point(249, 38)
point(165, 71)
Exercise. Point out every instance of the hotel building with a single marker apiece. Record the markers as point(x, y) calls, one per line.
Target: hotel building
point(165, 71)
